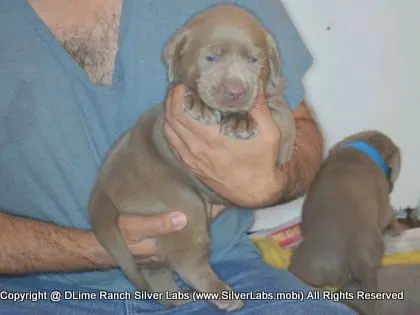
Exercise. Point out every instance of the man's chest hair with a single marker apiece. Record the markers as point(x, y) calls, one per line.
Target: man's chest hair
point(94, 48)
point(88, 30)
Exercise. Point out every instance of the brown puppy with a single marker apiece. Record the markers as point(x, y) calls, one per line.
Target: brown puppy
point(345, 213)
point(220, 55)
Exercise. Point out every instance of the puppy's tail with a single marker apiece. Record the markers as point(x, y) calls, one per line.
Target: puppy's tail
point(104, 221)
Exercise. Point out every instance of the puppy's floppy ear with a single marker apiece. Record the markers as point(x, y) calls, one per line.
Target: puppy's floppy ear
point(174, 50)
point(394, 164)
point(275, 82)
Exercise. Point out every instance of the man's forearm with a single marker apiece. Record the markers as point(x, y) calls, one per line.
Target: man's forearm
point(30, 246)
point(293, 178)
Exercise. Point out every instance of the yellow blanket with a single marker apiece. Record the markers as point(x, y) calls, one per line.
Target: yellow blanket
point(279, 257)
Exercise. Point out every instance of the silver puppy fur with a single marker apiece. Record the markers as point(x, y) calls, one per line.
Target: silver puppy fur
point(344, 215)
point(220, 55)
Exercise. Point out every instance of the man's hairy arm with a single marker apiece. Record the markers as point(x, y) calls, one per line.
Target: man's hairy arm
point(299, 172)
point(30, 246)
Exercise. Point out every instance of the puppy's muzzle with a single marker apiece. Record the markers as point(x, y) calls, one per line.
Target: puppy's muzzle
point(234, 94)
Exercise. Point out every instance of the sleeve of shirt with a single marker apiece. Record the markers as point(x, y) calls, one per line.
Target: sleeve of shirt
point(294, 56)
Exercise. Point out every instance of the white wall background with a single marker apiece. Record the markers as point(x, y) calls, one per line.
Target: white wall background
point(366, 75)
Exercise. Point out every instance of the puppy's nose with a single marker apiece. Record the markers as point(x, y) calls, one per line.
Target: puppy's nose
point(235, 92)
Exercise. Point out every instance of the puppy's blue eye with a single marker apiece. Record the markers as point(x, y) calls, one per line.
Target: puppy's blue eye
point(253, 59)
point(211, 58)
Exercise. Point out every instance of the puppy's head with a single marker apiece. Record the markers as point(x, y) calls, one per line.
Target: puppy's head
point(223, 54)
point(388, 150)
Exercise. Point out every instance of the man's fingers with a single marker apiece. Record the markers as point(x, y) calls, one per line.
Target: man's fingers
point(265, 122)
point(151, 262)
point(180, 121)
point(162, 224)
point(145, 253)
point(262, 116)
point(182, 152)
point(180, 127)
point(175, 99)
point(146, 247)
point(183, 145)
point(141, 227)
point(173, 106)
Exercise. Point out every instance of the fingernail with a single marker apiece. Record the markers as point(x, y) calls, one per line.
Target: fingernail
point(179, 220)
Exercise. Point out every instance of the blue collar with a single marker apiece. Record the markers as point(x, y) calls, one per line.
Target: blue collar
point(371, 152)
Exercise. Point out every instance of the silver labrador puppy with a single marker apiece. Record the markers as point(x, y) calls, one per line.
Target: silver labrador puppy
point(345, 213)
point(220, 55)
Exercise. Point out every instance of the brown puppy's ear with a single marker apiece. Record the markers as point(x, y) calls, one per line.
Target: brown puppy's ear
point(275, 83)
point(394, 164)
point(173, 51)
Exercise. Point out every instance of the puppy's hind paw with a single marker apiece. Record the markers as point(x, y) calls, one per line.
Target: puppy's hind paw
point(230, 304)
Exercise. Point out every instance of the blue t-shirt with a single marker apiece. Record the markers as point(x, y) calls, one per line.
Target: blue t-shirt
point(56, 125)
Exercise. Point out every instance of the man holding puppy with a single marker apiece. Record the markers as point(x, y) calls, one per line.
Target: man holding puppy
point(74, 76)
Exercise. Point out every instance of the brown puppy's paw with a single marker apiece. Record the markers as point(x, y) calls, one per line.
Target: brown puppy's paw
point(239, 126)
point(200, 112)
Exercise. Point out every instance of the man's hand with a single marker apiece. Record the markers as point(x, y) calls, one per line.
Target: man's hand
point(139, 232)
point(243, 171)
point(31, 246)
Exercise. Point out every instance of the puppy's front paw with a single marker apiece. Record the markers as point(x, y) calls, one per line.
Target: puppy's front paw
point(239, 126)
point(200, 112)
